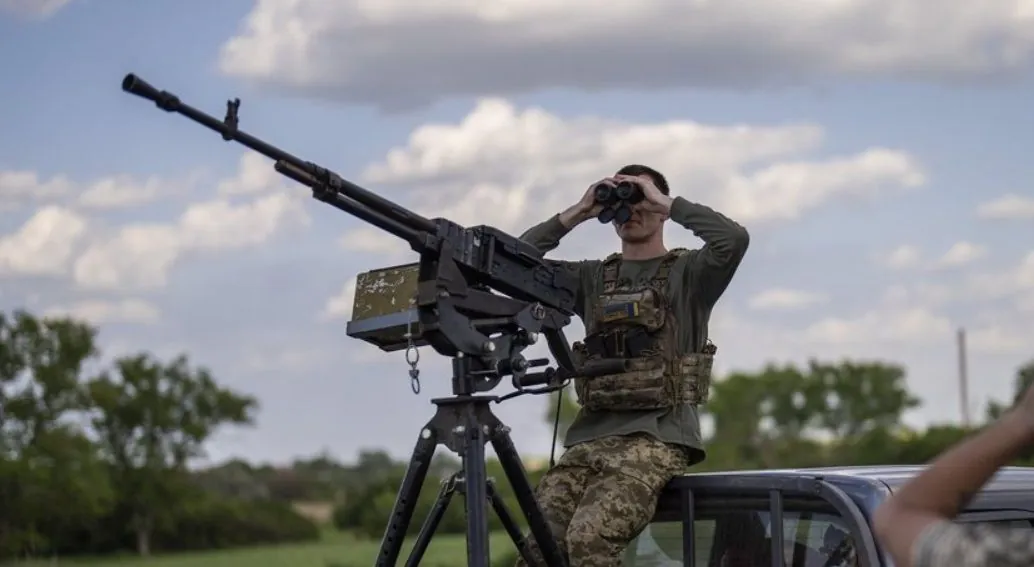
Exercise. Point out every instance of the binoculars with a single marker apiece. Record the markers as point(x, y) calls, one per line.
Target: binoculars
point(617, 201)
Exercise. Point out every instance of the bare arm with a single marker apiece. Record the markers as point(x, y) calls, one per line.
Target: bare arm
point(913, 525)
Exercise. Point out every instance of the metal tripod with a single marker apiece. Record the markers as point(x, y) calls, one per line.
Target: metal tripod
point(464, 422)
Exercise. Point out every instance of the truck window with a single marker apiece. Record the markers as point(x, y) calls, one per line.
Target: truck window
point(734, 538)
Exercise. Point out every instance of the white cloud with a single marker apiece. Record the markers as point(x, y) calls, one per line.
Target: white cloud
point(926, 294)
point(914, 326)
point(340, 306)
point(58, 240)
point(510, 167)
point(1026, 302)
point(18, 187)
point(101, 312)
point(902, 257)
point(372, 240)
point(219, 224)
point(1010, 281)
point(121, 191)
point(44, 245)
point(289, 358)
point(255, 174)
point(786, 299)
point(961, 254)
point(1009, 206)
point(409, 52)
point(1009, 338)
point(40, 9)
point(140, 256)
point(136, 257)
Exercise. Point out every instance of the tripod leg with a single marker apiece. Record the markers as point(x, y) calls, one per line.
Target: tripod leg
point(423, 539)
point(409, 492)
point(514, 469)
point(509, 524)
point(476, 497)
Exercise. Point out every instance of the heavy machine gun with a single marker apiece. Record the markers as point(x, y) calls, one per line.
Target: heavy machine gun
point(457, 314)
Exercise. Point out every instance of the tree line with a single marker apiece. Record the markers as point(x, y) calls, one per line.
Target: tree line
point(822, 414)
point(95, 459)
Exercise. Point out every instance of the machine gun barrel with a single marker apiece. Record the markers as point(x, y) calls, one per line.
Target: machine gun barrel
point(327, 186)
point(459, 266)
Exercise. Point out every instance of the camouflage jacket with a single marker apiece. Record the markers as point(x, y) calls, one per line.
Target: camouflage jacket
point(973, 545)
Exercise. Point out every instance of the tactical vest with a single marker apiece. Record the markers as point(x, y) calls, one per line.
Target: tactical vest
point(637, 323)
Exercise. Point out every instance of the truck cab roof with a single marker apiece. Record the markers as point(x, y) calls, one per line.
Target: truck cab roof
point(893, 476)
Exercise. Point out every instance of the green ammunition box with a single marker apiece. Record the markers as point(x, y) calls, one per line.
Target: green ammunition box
point(383, 310)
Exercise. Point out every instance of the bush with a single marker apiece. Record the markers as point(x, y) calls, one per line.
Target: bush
point(215, 523)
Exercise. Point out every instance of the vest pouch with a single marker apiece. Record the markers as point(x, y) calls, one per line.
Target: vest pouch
point(642, 387)
point(691, 378)
point(579, 354)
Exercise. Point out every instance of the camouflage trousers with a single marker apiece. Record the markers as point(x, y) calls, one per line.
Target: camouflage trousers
point(602, 494)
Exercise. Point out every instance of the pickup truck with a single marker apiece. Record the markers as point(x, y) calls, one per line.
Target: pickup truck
point(815, 517)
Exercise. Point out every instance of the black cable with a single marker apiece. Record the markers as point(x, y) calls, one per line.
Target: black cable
point(556, 427)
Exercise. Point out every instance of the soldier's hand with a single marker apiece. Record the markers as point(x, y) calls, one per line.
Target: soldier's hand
point(587, 204)
point(653, 201)
point(583, 210)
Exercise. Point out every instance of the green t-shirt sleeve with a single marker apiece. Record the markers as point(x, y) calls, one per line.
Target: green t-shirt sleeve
point(545, 237)
point(710, 269)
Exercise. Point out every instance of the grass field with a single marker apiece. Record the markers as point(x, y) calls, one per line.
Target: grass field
point(337, 550)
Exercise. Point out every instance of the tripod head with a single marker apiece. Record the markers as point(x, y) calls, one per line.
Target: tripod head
point(453, 308)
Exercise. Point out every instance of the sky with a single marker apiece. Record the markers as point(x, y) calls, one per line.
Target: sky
point(878, 152)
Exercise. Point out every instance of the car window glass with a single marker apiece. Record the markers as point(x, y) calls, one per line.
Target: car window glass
point(734, 538)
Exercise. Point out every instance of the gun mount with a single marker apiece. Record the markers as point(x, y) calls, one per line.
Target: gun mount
point(444, 301)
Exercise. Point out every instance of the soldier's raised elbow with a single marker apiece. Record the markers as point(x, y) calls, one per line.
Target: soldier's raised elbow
point(740, 239)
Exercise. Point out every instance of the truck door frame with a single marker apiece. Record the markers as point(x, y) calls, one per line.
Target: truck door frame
point(774, 487)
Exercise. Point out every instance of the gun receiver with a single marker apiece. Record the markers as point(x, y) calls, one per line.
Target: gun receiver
point(456, 311)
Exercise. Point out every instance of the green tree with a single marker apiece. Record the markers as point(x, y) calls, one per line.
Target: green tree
point(736, 411)
point(1021, 381)
point(784, 416)
point(51, 479)
point(151, 419)
point(861, 396)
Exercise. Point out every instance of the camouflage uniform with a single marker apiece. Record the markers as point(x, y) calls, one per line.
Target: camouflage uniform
point(637, 430)
point(602, 493)
point(972, 545)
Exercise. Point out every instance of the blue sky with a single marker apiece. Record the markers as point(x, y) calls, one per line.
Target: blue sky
point(771, 127)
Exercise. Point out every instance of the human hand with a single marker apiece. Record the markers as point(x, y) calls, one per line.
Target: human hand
point(653, 200)
point(587, 207)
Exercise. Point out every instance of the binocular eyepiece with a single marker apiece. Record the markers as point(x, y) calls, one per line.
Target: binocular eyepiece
point(617, 200)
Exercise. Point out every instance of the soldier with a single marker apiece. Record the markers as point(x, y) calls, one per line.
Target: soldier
point(915, 524)
point(635, 431)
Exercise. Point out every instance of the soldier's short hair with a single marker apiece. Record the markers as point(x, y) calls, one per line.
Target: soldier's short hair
point(654, 175)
